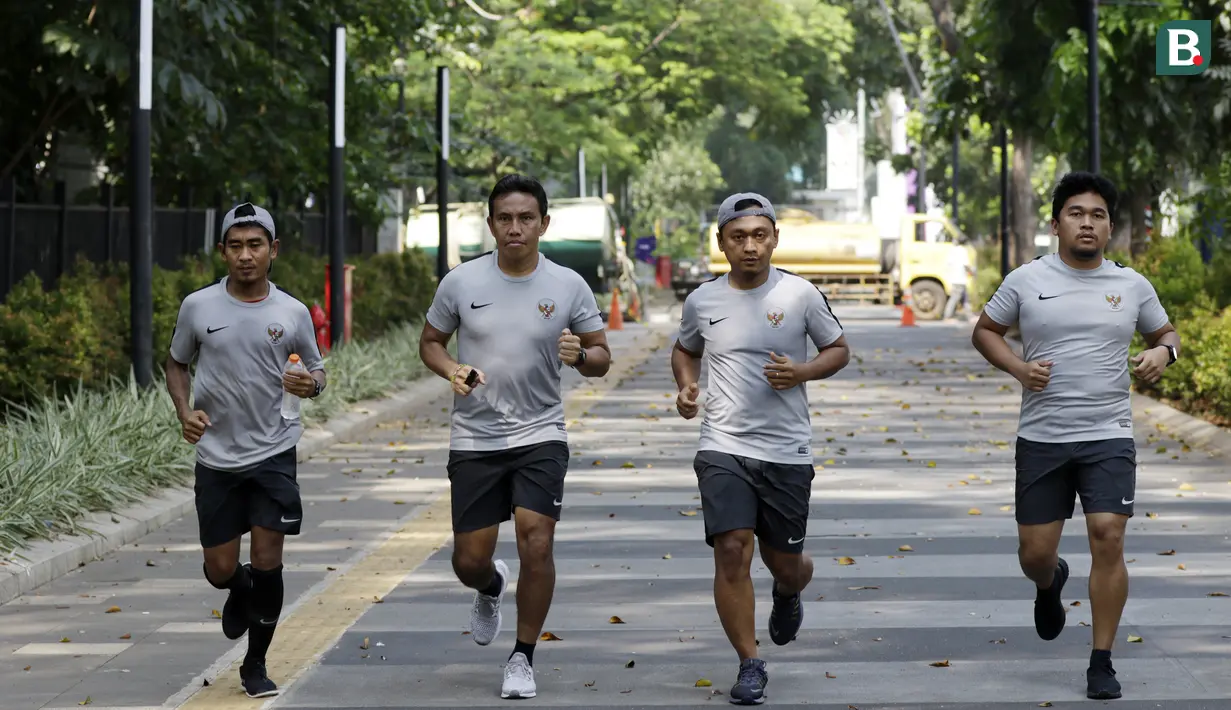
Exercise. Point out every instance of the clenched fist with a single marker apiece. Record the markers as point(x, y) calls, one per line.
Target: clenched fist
point(1034, 376)
point(570, 347)
point(194, 424)
point(686, 401)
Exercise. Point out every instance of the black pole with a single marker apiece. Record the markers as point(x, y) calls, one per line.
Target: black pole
point(61, 229)
point(1092, 86)
point(1004, 201)
point(109, 210)
point(140, 215)
point(957, 143)
point(442, 170)
point(336, 227)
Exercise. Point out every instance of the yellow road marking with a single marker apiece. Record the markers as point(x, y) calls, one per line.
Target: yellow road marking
point(317, 624)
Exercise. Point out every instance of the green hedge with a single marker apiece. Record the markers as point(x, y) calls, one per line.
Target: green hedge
point(78, 333)
point(1197, 297)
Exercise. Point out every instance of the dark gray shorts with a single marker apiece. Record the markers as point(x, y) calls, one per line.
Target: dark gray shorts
point(487, 485)
point(1051, 476)
point(741, 493)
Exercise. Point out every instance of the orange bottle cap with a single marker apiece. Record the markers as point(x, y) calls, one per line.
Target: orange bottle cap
point(294, 357)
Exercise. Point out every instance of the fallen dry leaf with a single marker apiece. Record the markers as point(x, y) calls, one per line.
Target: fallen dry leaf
point(1181, 567)
point(216, 614)
point(860, 589)
point(1187, 487)
point(113, 610)
point(26, 668)
point(1217, 594)
point(125, 637)
point(66, 640)
point(689, 513)
point(829, 675)
point(974, 511)
point(630, 664)
point(906, 548)
point(366, 644)
point(667, 556)
point(1006, 508)
point(628, 464)
point(846, 561)
point(589, 684)
point(615, 620)
point(549, 636)
point(1045, 704)
point(940, 664)
point(1075, 604)
point(1135, 639)
point(1167, 552)
point(1151, 515)
point(702, 683)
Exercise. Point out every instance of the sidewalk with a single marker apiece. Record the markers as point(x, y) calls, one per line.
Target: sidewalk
point(140, 626)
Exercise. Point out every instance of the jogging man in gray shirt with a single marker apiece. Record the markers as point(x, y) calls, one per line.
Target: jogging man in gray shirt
point(241, 331)
point(1078, 312)
point(754, 462)
point(519, 319)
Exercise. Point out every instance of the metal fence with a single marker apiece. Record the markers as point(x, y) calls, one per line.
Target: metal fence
point(45, 239)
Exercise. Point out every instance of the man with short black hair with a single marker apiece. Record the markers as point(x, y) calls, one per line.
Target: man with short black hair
point(754, 462)
point(1077, 312)
point(519, 318)
point(242, 330)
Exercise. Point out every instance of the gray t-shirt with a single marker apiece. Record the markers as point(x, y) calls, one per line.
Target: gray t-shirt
point(1083, 321)
point(738, 329)
point(243, 348)
point(509, 328)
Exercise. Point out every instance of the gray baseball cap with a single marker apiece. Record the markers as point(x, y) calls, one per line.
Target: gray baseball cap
point(727, 211)
point(249, 212)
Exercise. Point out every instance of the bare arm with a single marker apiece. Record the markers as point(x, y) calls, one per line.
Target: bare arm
point(1165, 335)
point(685, 366)
point(829, 360)
point(988, 339)
point(179, 386)
point(433, 351)
point(598, 354)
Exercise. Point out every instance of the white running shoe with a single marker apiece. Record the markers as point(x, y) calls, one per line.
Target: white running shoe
point(485, 618)
point(518, 678)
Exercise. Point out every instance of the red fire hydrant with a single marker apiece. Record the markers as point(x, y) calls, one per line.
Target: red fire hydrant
point(321, 323)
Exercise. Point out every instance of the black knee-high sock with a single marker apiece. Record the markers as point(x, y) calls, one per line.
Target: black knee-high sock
point(264, 608)
point(239, 579)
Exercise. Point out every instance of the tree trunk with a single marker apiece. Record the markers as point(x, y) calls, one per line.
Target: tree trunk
point(1023, 215)
point(1139, 199)
point(946, 23)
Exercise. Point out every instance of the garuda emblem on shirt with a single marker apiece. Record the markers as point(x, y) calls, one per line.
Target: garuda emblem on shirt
point(1113, 300)
point(547, 308)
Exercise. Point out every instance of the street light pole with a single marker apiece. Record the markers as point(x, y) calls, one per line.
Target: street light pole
point(1092, 86)
point(141, 248)
point(1004, 200)
point(337, 193)
point(442, 170)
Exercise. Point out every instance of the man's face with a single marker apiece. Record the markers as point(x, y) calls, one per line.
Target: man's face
point(748, 243)
point(1084, 226)
point(248, 253)
point(517, 224)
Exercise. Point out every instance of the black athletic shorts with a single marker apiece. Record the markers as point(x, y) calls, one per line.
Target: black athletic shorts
point(231, 503)
point(1051, 476)
point(487, 485)
point(741, 493)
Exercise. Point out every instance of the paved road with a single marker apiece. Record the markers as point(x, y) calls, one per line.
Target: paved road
point(912, 448)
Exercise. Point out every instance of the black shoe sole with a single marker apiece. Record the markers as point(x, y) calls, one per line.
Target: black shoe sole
point(1064, 578)
point(1103, 695)
point(782, 638)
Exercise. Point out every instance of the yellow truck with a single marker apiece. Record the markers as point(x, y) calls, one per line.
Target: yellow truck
point(854, 264)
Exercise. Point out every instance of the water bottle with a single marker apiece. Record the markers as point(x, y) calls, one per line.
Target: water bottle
point(290, 402)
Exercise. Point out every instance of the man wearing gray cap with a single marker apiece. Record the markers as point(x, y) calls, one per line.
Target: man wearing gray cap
point(242, 330)
point(754, 462)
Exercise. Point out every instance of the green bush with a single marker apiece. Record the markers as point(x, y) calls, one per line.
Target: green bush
point(78, 333)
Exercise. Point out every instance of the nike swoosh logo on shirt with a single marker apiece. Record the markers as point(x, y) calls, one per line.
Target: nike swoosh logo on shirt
point(1048, 298)
point(211, 331)
point(485, 305)
point(716, 322)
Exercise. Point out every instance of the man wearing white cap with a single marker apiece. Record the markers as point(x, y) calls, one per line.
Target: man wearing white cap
point(242, 330)
point(754, 462)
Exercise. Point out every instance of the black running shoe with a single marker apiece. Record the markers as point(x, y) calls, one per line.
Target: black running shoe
point(750, 688)
point(1101, 683)
point(256, 683)
point(1048, 609)
point(785, 618)
point(235, 612)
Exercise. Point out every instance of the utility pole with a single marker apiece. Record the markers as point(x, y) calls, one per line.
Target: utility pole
point(581, 172)
point(1092, 85)
point(1004, 200)
point(337, 191)
point(921, 202)
point(957, 143)
point(442, 170)
point(141, 216)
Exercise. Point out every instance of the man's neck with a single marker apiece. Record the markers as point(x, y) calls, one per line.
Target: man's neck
point(248, 292)
point(748, 282)
point(520, 267)
point(1082, 264)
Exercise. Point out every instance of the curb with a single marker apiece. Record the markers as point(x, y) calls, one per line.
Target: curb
point(1182, 427)
point(48, 560)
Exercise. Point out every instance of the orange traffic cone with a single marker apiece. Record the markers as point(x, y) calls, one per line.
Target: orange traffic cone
point(908, 313)
point(615, 321)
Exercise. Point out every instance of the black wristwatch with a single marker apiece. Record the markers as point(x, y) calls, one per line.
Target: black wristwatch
point(318, 388)
point(581, 358)
point(1172, 355)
